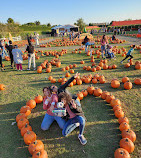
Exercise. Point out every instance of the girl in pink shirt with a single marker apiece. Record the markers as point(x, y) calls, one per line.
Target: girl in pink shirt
point(49, 103)
point(104, 41)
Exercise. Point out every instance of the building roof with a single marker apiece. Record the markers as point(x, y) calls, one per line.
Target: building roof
point(126, 23)
point(92, 27)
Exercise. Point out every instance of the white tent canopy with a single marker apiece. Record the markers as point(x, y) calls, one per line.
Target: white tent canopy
point(65, 28)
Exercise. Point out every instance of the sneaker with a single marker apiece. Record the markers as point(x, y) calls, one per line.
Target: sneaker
point(82, 139)
point(121, 62)
point(28, 69)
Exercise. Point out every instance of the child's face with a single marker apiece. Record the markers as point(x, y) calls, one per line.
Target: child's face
point(55, 89)
point(63, 100)
point(46, 92)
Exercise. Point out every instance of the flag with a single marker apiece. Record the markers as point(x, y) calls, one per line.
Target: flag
point(10, 37)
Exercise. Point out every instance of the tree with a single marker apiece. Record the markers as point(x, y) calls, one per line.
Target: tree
point(10, 21)
point(48, 25)
point(81, 24)
point(91, 24)
point(37, 23)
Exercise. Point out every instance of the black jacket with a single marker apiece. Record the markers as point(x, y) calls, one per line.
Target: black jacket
point(9, 48)
point(63, 87)
point(30, 49)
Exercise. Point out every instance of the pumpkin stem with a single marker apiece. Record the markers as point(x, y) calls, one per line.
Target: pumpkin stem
point(38, 154)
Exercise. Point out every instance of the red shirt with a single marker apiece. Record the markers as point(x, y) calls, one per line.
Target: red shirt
point(72, 115)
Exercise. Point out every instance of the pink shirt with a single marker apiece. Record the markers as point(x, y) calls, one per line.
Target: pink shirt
point(72, 115)
point(46, 104)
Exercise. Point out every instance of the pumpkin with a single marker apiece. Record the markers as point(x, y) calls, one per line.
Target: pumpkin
point(20, 116)
point(87, 80)
point(105, 67)
point(98, 68)
point(29, 137)
point(123, 119)
point(71, 84)
point(109, 98)
point(70, 66)
point(48, 70)
point(53, 80)
point(114, 66)
point(94, 80)
point(125, 79)
point(129, 134)
point(74, 65)
point(85, 93)
point(72, 71)
point(40, 154)
point(37, 145)
point(50, 78)
point(127, 85)
point(121, 153)
point(137, 62)
point(38, 99)
point(25, 129)
point(97, 92)
point(63, 69)
point(82, 62)
point(102, 80)
point(2, 87)
point(127, 144)
point(74, 82)
point(90, 89)
point(127, 65)
point(84, 67)
point(79, 81)
point(124, 126)
point(93, 69)
point(26, 110)
point(138, 66)
point(115, 83)
point(104, 94)
point(119, 113)
point(117, 107)
point(115, 102)
point(39, 71)
point(67, 74)
point(58, 64)
point(88, 68)
point(137, 81)
point(80, 95)
point(31, 103)
point(22, 122)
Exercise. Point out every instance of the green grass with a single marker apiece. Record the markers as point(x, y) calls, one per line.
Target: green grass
point(101, 128)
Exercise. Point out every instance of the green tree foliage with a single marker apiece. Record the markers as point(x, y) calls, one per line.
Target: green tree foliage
point(48, 25)
point(81, 24)
point(10, 21)
point(37, 23)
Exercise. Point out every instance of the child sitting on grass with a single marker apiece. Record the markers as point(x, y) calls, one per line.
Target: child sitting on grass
point(110, 54)
point(129, 54)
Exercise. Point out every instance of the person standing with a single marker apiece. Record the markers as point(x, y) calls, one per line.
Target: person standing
point(17, 55)
point(2, 45)
point(103, 45)
point(36, 36)
point(10, 48)
point(31, 56)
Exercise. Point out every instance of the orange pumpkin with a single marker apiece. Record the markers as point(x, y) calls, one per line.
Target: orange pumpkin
point(31, 103)
point(119, 113)
point(121, 153)
point(80, 95)
point(20, 116)
point(115, 102)
point(117, 107)
point(115, 83)
point(35, 146)
point(72, 71)
point(137, 81)
point(22, 122)
point(127, 65)
point(67, 74)
point(127, 85)
point(39, 71)
point(104, 94)
point(29, 137)
point(94, 80)
point(114, 66)
point(123, 119)
point(79, 81)
point(48, 70)
point(40, 154)
point(129, 134)
point(26, 110)
point(138, 66)
point(2, 87)
point(25, 129)
point(38, 99)
point(97, 92)
point(90, 89)
point(85, 93)
point(127, 144)
point(124, 126)
point(109, 98)
point(125, 79)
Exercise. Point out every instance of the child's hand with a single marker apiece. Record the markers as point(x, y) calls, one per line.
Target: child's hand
point(76, 75)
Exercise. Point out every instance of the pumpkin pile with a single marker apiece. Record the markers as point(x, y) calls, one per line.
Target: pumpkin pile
point(35, 147)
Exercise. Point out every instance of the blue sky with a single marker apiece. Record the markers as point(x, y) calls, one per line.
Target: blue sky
point(69, 11)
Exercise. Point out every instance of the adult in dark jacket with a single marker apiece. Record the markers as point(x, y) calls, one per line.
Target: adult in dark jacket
point(74, 115)
point(10, 48)
point(31, 55)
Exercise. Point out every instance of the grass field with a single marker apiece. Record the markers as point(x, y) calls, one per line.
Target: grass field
point(102, 128)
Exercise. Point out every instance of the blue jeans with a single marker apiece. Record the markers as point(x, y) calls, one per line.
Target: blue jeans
point(3, 51)
point(76, 119)
point(103, 48)
point(88, 44)
point(48, 119)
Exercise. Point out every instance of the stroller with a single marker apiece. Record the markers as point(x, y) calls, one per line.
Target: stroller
point(109, 54)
